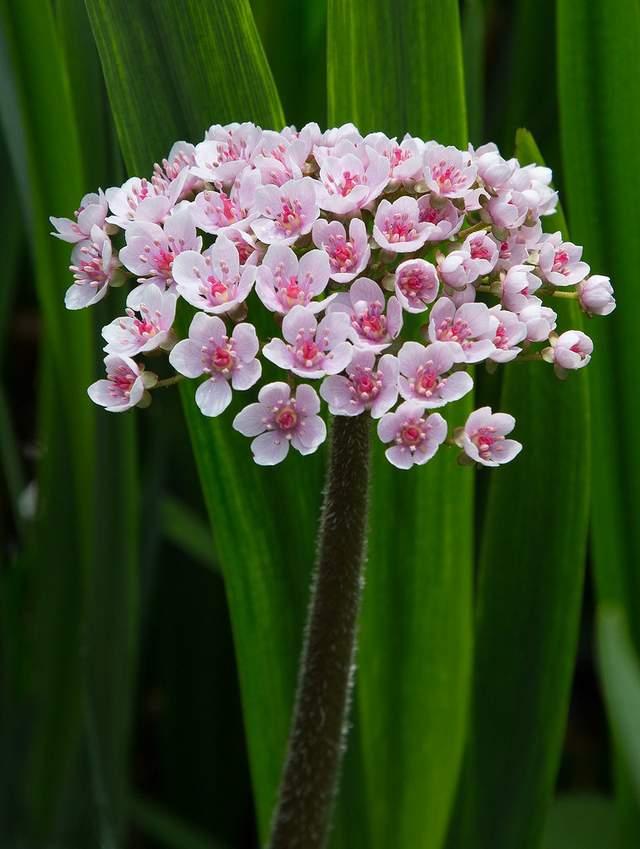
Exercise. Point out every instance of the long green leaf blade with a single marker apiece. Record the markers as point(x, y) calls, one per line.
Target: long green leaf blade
point(400, 70)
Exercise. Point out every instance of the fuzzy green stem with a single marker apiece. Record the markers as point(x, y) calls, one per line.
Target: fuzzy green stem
point(316, 744)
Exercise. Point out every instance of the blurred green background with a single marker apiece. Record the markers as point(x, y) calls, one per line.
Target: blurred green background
point(153, 582)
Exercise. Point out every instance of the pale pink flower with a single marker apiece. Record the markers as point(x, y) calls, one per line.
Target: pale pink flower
point(493, 170)
point(311, 349)
point(483, 252)
point(518, 286)
point(448, 171)
point(225, 360)
point(278, 159)
point(347, 257)
point(457, 269)
point(280, 419)
point(559, 262)
point(151, 249)
point(94, 267)
point(213, 281)
point(214, 212)
point(415, 437)
point(367, 386)
point(177, 166)
point(374, 324)
point(444, 217)
point(225, 152)
point(139, 199)
point(286, 212)
point(405, 158)
point(124, 385)
point(397, 226)
point(534, 182)
point(569, 351)
point(538, 319)
point(250, 251)
point(511, 251)
point(467, 328)
point(91, 213)
point(596, 295)
point(508, 210)
point(506, 331)
point(483, 437)
point(350, 178)
point(131, 335)
point(425, 374)
point(283, 281)
point(416, 284)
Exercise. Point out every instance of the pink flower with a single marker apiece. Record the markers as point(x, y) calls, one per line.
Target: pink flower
point(508, 210)
point(225, 152)
point(283, 281)
point(483, 252)
point(457, 269)
point(405, 159)
point(91, 213)
point(213, 281)
point(213, 212)
point(518, 286)
point(415, 437)
point(483, 437)
point(280, 419)
point(151, 249)
point(278, 159)
point(416, 284)
point(131, 335)
point(140, 200)
point(467, 328)
point(422, 370)
point(364, 304)
point(224, 360)
point(445, 219)
point(176, 166)
point(94, 267)
point(347, 257)
point(493, 170)
point(286, 212)
point(313, 349)
point(596, 295)
point(124, 386)
point(559, 261)
point(538, 319)
point(506, 331)
point(448, 171)
point(366, 387)
point(569, 351)
point(397, 226)
point(350, 178)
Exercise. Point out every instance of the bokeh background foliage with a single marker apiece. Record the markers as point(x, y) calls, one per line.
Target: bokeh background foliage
point(154, 582)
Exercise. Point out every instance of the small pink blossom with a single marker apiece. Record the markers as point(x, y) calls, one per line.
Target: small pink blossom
point(483, 252)
point(124, 385)
point(569, 351)
point(133, 335)
point(278, 160)
point(224, 360)
point(285, 213)
point(347, 257)
point(397, 226)
point(405, 158)
point(280, 419)
point(91, 213)
point(445, 219)
point(415, 437)
point(596, 295)
point(416, 284)
point(538, 319)
point(506, 331)
point(214, 212)
point(493, 170)
point(483, 437)
point(374, 324)
point(140, 200)
point(350, 178)
point(151, 249)
point(225, 152)
point(467, 328)
point(176, 167)
point(559, 262)
point(94, 267)
point(518, 286)
point(366, 386)
point(425, 377)
point(508, 210)
point(457, 269)
point(313, 349)
point(283, 281)
point(213, 281)
point(448, 171)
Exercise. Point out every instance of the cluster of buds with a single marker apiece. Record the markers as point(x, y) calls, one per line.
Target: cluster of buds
point(387, 270)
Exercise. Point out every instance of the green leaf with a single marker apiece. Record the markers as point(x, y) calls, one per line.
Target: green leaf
point(204, 64)
point(599, 98)
point(528, 599)
point(474, 26)
point(580, 821)
point(400, 70)
point(186, 530)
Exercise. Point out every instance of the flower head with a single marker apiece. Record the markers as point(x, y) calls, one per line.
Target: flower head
point(426, 376)
point(213, 281)
point(375, 322)
point(124, 385)
point(313, 349)
point(366, 386)
point(415, 436)
point(483, 438)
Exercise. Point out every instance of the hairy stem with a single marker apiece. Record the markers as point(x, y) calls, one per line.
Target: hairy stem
point(317, 740)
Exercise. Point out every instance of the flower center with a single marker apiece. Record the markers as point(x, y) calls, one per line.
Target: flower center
point(307, 353)
point(560, 262)
point(446, 176)
point(501, 339)
point(412, 284)
point(479, 250)
point(341, 254)
point(286, 418)
point(366, 384)
point(411, 434)
point(400, 228)
point(427, 381)
point(122, 379)
point(371, 324)
point(454, 331)
point(289, 219)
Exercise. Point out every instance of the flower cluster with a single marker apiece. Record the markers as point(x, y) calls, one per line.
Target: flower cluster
point(383, 270)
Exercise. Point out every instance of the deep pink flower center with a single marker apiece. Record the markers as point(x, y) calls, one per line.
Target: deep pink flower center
point(450, 330)
point(484, 439)
point(372, 324)
point(411, 434)
point(341, 254)
point(289, 218)
point(90, 268)
point(400, 227)
point(144, 327)
point(308, 353)
point(366, 384)
point(447, 176)
point(501, 339)
point(560, 261)
point(219, 356)
point(479, 250)
point(122, 379)
point(412, 283)
point(286, 418)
